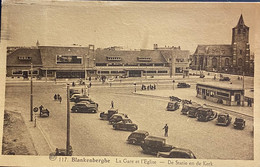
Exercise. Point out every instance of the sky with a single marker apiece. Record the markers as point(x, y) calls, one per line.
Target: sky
point(132, 25)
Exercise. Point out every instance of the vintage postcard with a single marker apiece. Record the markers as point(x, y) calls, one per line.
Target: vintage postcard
point(91, 83)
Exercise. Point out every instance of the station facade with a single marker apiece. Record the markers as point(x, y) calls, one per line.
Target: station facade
point(78, 62)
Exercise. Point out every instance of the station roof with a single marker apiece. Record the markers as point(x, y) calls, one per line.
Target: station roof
point(221, 85)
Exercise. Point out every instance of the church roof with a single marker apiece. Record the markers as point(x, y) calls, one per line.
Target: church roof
point(214, 50)
point(241, 22)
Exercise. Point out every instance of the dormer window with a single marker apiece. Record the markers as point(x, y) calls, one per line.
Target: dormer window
point(114, 58)
point(24, 58)
point(146, 59)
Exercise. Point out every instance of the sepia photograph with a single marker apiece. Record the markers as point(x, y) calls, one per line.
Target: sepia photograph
point(111, 83)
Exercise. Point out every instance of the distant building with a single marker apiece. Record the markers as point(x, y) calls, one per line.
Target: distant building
point(234, 58)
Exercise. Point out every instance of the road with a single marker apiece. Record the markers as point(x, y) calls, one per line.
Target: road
point(91, 136)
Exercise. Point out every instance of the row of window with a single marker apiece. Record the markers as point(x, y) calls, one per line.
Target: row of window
point(211, 93)
point(122, 72)
point(22, 72)
point(24, 58)
point(215, 62)
point(129, 64)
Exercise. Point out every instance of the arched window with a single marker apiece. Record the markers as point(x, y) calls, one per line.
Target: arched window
point(195, 60)
point(227, 62)
point(240, 62)
point(206, 61)
point(214, 62)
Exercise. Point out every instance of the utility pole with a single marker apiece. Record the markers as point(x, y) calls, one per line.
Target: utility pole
point(31, 105)
point(68, 119)
point(243, 97)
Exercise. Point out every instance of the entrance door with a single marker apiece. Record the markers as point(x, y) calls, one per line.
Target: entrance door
point(25, 74)
point(135, 73)
point(203, 93)
point(237, 98)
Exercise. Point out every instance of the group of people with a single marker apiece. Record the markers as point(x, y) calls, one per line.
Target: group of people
point(57, 97)
point(148, 87)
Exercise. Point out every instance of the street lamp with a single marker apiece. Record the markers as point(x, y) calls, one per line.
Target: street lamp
point(31, 105)
point(68, 147)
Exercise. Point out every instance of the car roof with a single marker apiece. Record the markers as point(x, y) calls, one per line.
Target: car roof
point(223, 114)
point(204, 109)
point(181, 150)
point(140, 132)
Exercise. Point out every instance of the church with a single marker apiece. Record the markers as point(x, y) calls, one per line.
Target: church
point(226, 58)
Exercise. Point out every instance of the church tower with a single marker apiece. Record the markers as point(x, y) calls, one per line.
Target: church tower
point(240, 47)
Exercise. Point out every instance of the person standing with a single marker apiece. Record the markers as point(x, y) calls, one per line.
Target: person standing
point(55, 97)
point(112, 104)
point(166, 130)
point(60, 99)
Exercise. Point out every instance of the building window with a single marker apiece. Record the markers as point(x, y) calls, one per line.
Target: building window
point(240, 62)
point(158, 64)
point(144, 59)
point(206, 61)
point(239, 31)
point(226, 62)
point(214, 62)
point(146, 64)
point(178, 69)
point(195, 60)
point(212, 94)
point(17, 72)
point(241, 52)
point(114, 58)
point(24, 58)
point(151, 71)
point(61, 59)
point(101, 64)
point(104, 72)
point(163, 72)
point(223, 94)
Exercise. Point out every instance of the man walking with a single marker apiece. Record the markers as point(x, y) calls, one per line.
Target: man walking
point(166, 130)
point(60, 99)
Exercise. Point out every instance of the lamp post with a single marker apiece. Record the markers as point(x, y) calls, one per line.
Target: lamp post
point(31, 99)
point(243, 97)
point(68, 119)
point(173, 81)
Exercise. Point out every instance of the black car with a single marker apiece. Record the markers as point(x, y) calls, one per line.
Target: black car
point(239, 123)
point(110, 112)
point(125, 124)
point(172, 106)
point(224, 119)
point(224, 79)
point(193, 110)
point(117, 117)
point(206, 114)
point(153, 145)
point(137, 137)
point(84, 107)
point(183, 85)
point(177, 153)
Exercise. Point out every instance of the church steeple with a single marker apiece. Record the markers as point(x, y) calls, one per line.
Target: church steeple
point(241, 22)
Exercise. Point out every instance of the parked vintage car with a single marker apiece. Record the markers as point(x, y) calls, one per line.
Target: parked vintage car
point(82, 98)
point(76, 96)
point(183, 85)
point(206, 114)
point(74, 91)
point(193, 110)
point(239, 123)
point(137, 137)
point(125, 124)
point(84, 107)
point(224, 79)
point(153, 145)
point(117, 117)
point(172, 106)
point(108, 114)
point(223, 119)
point(177, 153)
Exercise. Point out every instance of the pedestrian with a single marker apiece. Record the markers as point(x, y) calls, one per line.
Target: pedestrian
point(148, 87)
point(58, 96)
point(249, 103)
point(154, 86)
point(55, 97)
point(41, 107)
point(90, 84)
point(166, 130)
point(60, 99)
point(112, 104)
